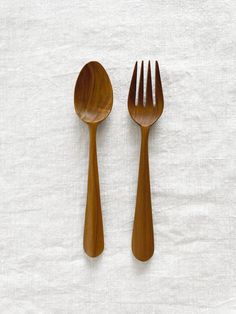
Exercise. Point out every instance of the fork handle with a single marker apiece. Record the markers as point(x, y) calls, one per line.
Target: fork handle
point(93, 226)
point(142, 238)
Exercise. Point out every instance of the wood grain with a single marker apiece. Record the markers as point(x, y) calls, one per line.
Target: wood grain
point(93, 225)
point(93, 99)
point(144, 113)
point(142, 238)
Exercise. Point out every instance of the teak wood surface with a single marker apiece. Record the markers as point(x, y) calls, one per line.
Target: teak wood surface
point(93, 102)
point(144, 113)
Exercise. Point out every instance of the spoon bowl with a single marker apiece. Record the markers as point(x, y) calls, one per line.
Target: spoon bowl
point(93, 93)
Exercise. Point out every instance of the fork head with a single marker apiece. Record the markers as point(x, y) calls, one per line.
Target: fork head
point(145, 112)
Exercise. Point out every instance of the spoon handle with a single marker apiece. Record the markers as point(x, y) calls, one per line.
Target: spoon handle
point(93, 226)
point(142, 238)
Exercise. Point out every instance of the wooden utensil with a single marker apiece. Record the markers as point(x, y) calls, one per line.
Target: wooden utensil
point(93, 99)
point(144, 113)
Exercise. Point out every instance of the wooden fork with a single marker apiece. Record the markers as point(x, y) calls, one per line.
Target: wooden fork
point(144, 113)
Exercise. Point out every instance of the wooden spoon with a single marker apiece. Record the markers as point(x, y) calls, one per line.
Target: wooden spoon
point(93, 99)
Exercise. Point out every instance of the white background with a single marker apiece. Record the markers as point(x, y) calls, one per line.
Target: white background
point(44, 155)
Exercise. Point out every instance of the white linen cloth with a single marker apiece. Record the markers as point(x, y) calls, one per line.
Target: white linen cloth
point(44, 158)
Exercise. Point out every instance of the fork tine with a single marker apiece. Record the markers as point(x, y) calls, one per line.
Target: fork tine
point(149, 99)
point(158, 90)
point(132, 89)
point(140, 89)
